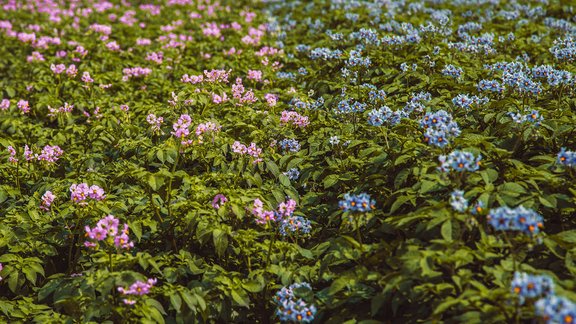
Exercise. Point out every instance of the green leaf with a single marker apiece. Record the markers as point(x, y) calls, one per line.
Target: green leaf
point(241, 298)
point(446, 231)
point(284, 180)
point(13, 281)
point(176, 301)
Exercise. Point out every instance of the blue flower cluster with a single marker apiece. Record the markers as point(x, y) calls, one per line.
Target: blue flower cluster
point(289, 144)
point(325, 53)
point(553, 77)
point(366, 36)
point(519, 219)
point(466, 101)
point(295, 225)
point(490, 85)
point(459, 161)
point(292, 174)
point(555, 309)
point(527, 286)
point(564, 49)
point(356, 59)
point(345, 107)
point(452, 71)
point(458, 202)
point(415, 103)
point(567, 158)
point(440, 128)
point(522, 82)
point(532, 116)
point(290, 308)
point(377, 117)
point(357, 203)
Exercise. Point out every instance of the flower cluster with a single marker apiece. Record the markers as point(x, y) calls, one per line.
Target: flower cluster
point(81, 192)
point(345, 107)
point(566, 158)
point(207, 127)
point(47, 199)
point(61, 110)
point(519, 219)
point(135, 72)
point(49, 154)
point(263, 216)
point(527, 286)
point(452, 71)
point(155, 123)
point(532, 117)
point(295, 118)
point(107, 229)
point(378, 117)
point(138, 288)
point(556, 309)
point(440, 128)
point(490, 85)
point(357, 203)
point(291, 145)
point(295, 225)
point(218, 201)
point(180, 127)
point(459, 161)
point(290, 308)
point(458, 202)
point(251, 150)
point(466, 101)
point(292, 174)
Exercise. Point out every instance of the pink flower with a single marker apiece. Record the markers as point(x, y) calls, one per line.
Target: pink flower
point(5, 104)
point(218, 201)
point(155, 123)
point(50, 154)
point(96, 193)
point(23, 106)
point(12, 152)
point(57, 69)
point(96, 233)
point(72, 71)
point(47, 199)
point(79, 192)
point(255, 75)
point(86, 78)
point(181, 126)
point(124, 108)
point(271, 99)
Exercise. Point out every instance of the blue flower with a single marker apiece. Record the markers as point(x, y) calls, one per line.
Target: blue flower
point(357, 203)
point(458, 202)
point(527, 286)
point(519, 219)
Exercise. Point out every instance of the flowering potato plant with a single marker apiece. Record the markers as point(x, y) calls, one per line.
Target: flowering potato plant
point(325, 161)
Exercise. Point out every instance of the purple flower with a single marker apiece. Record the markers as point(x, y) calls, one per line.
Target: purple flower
point(96, 233)
point(96, 193)
point(47, 200)
point(218, 201)
point(79, 192)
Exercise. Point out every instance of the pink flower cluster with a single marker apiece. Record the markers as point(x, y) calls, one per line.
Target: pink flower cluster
point(108, 228)
point(218, 201)
point(61, 110)
point(294, 118)
point(239, 93)
point(213, 76)
point(255, 75)
point(155, 123)
point(268, 51)
point(135, 72)
point(271, 99)
point(207, 127)
point(181, 126)
point(251, 150)
point(101, 29)
point(71, 71)
point(262, 216)
point(24, 106)
point(81, 192)
point(139, 288)
point(49, 154)
point(12, 152)
point(47, 199)
point(285, 210)
point(156, 57)
point(254, 35)
point(4, 104)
